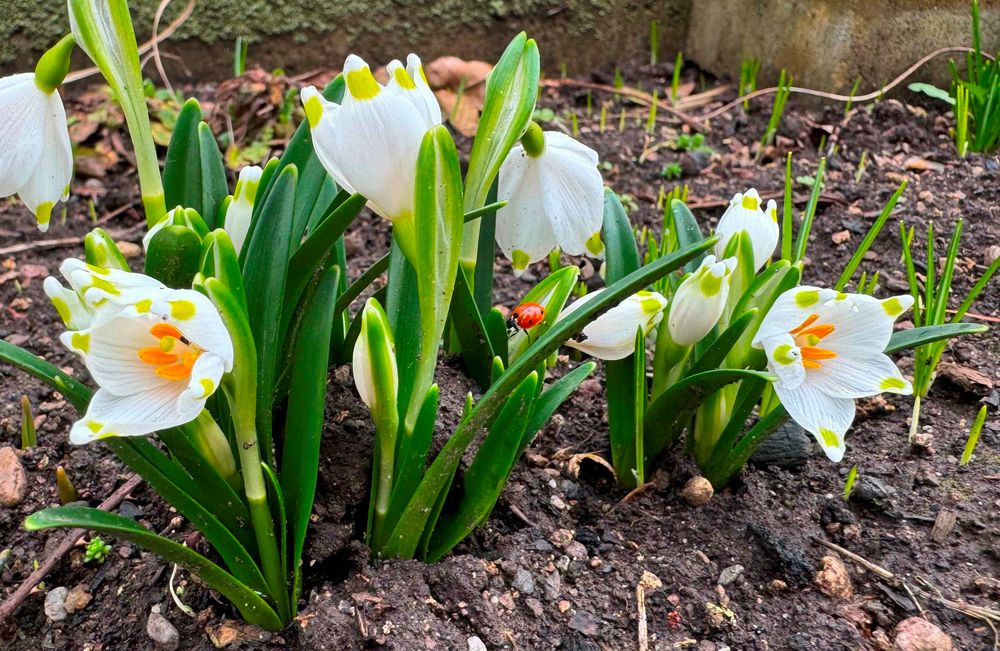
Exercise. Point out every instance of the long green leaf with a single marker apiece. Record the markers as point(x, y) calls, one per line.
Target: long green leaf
point(687, 231)
point(477, 349)
point(213, 176)
point(717, 352)
point(488, 472)
point(305, 415)
point(182, 164)
point(552, 397)
point(265, 277)
point(253, 608)
point(915, 337)
point(414, 520)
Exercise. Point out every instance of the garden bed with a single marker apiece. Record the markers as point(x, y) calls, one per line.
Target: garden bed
point(558, 563)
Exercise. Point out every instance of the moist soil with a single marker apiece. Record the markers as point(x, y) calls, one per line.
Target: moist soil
point(558, 564)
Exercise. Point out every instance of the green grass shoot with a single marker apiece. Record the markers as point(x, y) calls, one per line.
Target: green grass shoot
point(651, 119)
point(961, 120)
point(602, 123)
point(619, 82)
point(240, 56)
point(780, 98)
point(675, 82)
point(621, 119)
point(29, 437)
point(67, 492)
point(977, 95)
point(654, 42)
point(590, 104)
point(970, 444)
point(563, 70)
point(849, 484)
point(854, 91)
point(574, 124)
point(862, 164)
point(749, 69)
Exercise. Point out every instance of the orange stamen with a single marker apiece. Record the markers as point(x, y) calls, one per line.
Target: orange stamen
point(808, 363)
point(155, 356)
point(180, 371)
point(805, 324)
point(161, 330)
point(819, 331)
point(813, 353)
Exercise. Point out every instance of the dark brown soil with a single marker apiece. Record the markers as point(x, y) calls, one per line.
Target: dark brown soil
point(558, 563)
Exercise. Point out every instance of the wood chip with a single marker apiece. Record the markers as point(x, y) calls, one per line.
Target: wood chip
point(943, 525)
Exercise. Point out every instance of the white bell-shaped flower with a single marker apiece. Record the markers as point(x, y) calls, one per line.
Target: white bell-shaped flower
point(36, 157)
point(825, 348)
point(611, 336)
point(745, 214)
point(555, 197)
point(700, 300)
point(370, 142)
point(240, 209)
point(156, 354)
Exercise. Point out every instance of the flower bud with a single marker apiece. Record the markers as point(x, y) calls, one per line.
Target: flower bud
point(699, 301)
point(375, 373)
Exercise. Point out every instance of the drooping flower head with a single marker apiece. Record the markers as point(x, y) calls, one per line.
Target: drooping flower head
point(370, 142)
point(825, 348)
point(156, 354)
point(745, 214)
point(611, 336)
point(555, 197)
point(36, 158)
point(240, 209)
point(700, 300)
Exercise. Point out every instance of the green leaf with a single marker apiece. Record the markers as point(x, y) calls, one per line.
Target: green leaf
point(100, 250)
point(669, 412)
point(477, 349)
point(437, 235)
point(624, 421)
point(762, 293)
point(932, 91)
point(915, 337)
point(719, 349)
point(213, 176)
point(552, 397)
point(403, 309)
point(182, 164)
point(75, 391)
point(220, 260)
point(511, 91)
point(483, 281)
point(419, 511)
point(305, 415)
point(253, 608)
point(487, 474)
point(264, 277)
point(687, 230)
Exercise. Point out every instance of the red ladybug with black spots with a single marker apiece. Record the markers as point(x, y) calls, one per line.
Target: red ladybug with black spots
point(526, 316)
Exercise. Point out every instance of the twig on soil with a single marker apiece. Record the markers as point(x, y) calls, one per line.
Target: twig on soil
point(648, 582)
point(642, 97)
point(145, 47)
point(834, 96)
point(521, 516)
point(988, 615)
point(41, 244)
point(14, 601)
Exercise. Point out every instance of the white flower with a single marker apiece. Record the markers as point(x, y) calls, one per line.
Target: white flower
point(612, 335)
point(36, 158)
point(156, 354)
point(370, 142)
point(240, 208)
point(554, 198)
point(744, 214)
point(699, 301)
point(825, 348)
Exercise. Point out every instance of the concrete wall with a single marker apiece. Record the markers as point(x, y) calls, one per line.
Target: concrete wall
point(299, 35)
point(825, 44)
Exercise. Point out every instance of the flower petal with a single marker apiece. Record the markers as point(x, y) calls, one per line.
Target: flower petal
point(22, 133)
point(71, 309)
point(859, 376)
point(611, 336)
point(205, 376)
point(195, 316)
point(744, 214)
point(826, 417)
point(133, 415)
point(523, 231)
point(110, 351)
point(790, 310)
point(861, 323)
point(784, 360)
point(49, 180)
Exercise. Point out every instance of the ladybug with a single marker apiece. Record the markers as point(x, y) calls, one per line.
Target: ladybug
point(526, 316)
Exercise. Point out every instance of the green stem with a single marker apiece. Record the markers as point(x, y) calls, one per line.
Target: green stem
point(209, 440)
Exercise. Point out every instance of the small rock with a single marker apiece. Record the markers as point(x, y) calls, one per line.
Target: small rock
point(917, 634)
point(777, 585)
point(585, 622)
point(697, 491)
point(77, 599)
point(523, 582)
point(558, 503)
point(130, 510)
point(991, 254)
point(872, 490)
point(535, 606)
point(789, 447)
point(129, 249)
point(160, 630)
point(730, 574)
point(475, 644)
point(561, 537)
point(13, 479)
point(833, 579)
point(55, 604)
point(576, 551)
point(841, 236)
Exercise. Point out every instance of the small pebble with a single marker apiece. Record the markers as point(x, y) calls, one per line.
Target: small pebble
point(55, 604)
point(475, 644)
point(13, 479)
point(917, 634)
point(77, 599)
point(160, 630)
point(697, 491)
point(523, 582)
point(730, 574)
point(833, 579)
